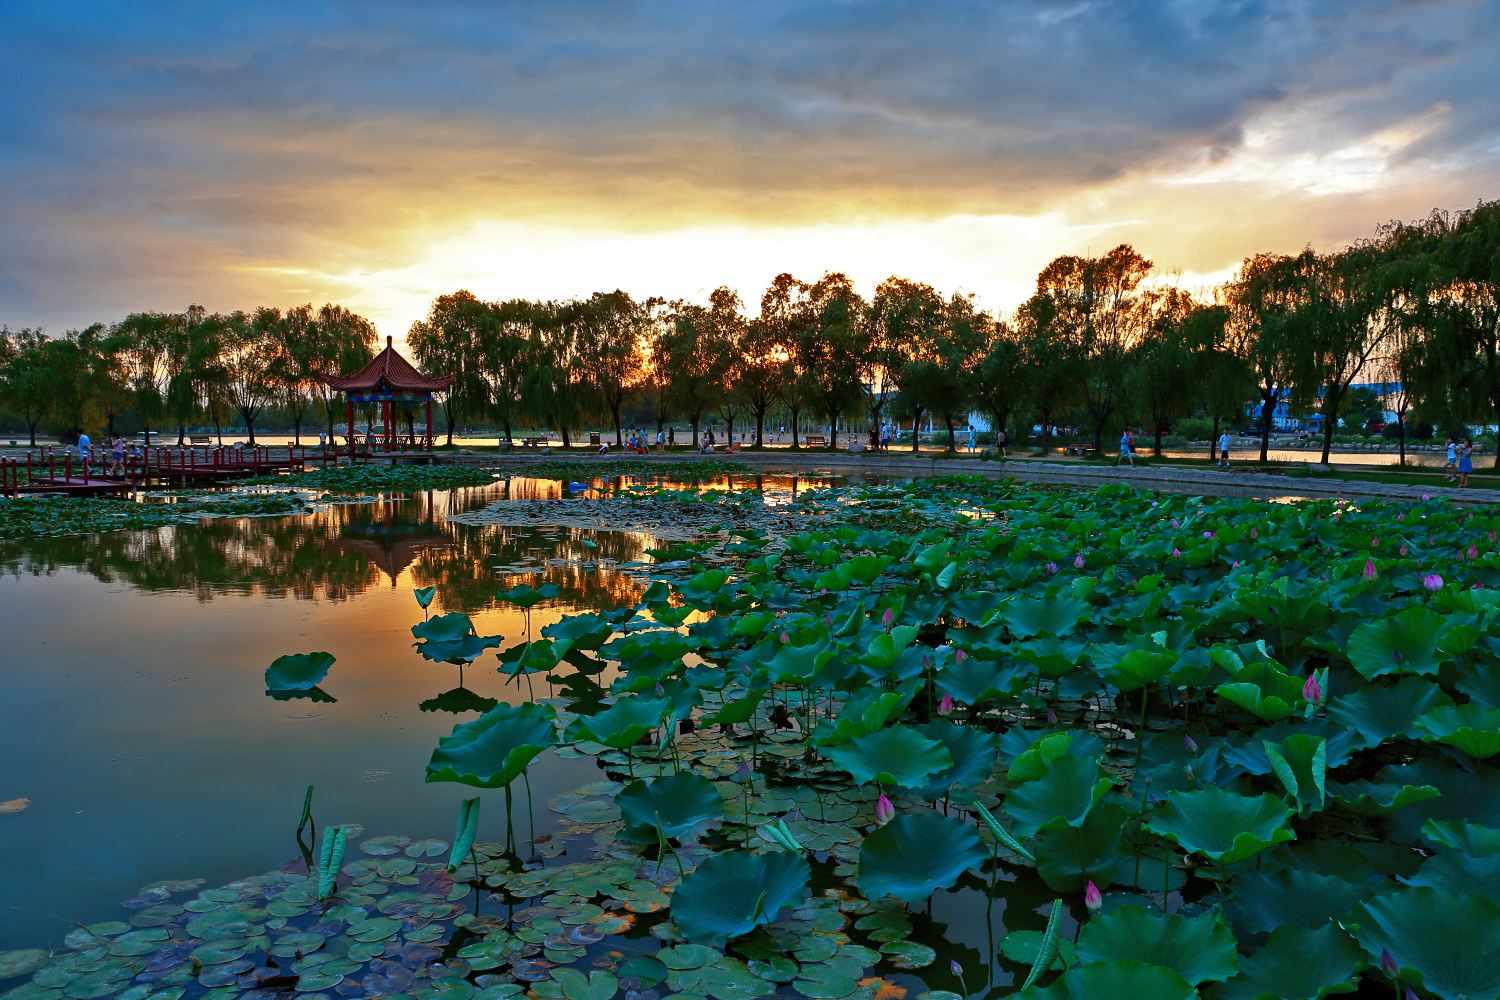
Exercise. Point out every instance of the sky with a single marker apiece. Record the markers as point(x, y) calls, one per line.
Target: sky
point(378, 153)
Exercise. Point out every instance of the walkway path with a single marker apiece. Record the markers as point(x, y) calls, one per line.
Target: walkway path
point(1174, 479)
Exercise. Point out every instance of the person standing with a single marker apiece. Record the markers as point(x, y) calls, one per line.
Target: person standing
point(85, 452)
point(971, 439)
point(885, 436)
point(1465, 462)
point(117, 456)
point(1127, 451)
point(1224, 450)
point(1450, 468)
point(1000, 442)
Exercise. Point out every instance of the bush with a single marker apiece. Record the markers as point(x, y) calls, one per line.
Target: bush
point(1194, 429)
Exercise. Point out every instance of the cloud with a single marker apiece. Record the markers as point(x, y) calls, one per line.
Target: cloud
point(173, 152)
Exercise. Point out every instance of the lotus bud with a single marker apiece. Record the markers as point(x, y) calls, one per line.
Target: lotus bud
point(1175, 524)
point(743, 772)
point(1078, 560)
point(1432, 582)
point(955, 968)
point(1051, 717)
point(1426, 496)
point(1388, 963)
point(1091, 896)
point(1051, 568)
point(659, 691)
point(1312, 690)
point(1492, 536)
point(1190, 743)
point(1369, 569)
point(1403, 550)
point(1473, 553)
point(887, 618)
point(1176, 552)
point(1374, 541)
point(1254, 532)
point(1235, 564)
point(945, 707)
point(884, 810)
point(1401, 516)
point(785, 638)
point(1208, 534)
point(959, 656)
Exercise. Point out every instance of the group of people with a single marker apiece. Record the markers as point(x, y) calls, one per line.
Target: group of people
point(117, 466)
point(1460, 461)
point(1127, 448)
point(638, 443)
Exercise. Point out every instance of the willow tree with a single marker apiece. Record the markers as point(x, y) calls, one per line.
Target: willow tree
point(1261, 300)
point(834, 348)
point(786, 312)
point(908, 319)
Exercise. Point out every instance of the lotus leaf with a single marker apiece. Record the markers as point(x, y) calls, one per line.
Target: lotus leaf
point(1199, 949)
point(525, 596)
point(623, 724)
point(672, 805)
point(1297, 964)
point(493, 750)
point(1405, 643)
point(1455, 871)
point(1066, 791)
point(1223, 826)
point(732, 893)
point(975, 680)
point(899, 755)
point(1381, 711)
point(973, 752)
point(1471, 838)
point(424, 596)
point(1114, 979)
point(1031, 763)
point(298, 671)
point(1054, 615)
point(1067, 857)
point(916, 854)
point(1473, 729)
point(1300, 763)
point(444, 628)
point(1420, 927)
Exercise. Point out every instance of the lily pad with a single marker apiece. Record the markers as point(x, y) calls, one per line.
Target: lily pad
point(674, 804)
point(731, 894)
point(298, 671)
point(916, 854)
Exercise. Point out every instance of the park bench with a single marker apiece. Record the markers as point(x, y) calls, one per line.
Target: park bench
point(1079, 448)
point(200, 439)
point(532, 442)
point(816, 441)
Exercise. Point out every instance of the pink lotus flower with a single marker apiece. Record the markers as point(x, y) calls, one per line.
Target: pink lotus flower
point(1254, 532)
point(1078, 561)
point(1051, 717)
point(1208, 534)
point(1403, 550)
point(1091, 897)
point(945, 707)
point(959, 656)
point(1432, 582)
point(1388, 962)
point(785, 638)
point(1175, 524)
point(884, 810)
point(1176, 552)
point(1190, 743)
point(1473, 552)
point(1051, 568)
point(1312, 690)
point(887, 618)
point(1369, 569)
point(1375, 541)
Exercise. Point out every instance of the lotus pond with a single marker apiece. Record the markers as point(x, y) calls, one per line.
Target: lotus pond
point(939, 738)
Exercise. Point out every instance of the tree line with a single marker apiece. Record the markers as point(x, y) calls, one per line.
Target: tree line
point(1104, 342)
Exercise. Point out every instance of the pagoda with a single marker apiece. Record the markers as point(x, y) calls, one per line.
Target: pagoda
point(392, 381)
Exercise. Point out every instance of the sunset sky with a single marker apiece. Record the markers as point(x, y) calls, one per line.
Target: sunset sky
point(378, 154)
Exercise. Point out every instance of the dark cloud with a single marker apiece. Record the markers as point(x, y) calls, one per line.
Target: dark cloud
point(143, 147)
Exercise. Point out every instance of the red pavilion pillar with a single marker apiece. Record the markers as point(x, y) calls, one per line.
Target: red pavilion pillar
point(349, 414)
point(429, 423)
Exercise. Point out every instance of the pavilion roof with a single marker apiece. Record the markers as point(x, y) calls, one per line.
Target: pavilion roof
point(394, 371)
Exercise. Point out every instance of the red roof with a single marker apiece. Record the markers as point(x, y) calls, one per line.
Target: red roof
point(394, 371)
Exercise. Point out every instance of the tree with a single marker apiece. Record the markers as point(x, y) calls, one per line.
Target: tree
point(1099, 311)
point(834, 348)
point(24, 381)
point(758, 366)
point(610, 332)
point(1260, 299)
point(958, 350)
point(343, 342)
point(786, 310)
point(246, 355)
point(908, 319)
point(696, 359)
point(1002, 377)
point(448, 340)
point(1164, 361)
point(1224, 380)
point(150, 350)
point(1052, 361)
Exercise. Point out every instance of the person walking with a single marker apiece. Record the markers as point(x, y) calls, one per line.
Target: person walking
point(1224, 450)
point(1127, 449)
point(1000, 442)
point(1465, 462)
point(971, 439)
point(1450, 468)
point(117, 456)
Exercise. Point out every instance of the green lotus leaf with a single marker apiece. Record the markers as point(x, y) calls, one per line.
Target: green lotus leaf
point(1405, 643)
point(732, 893)
point(298, 671)
point(866, 711)
point(1068, 857)
point(1473, 729)
point(1031, 763)
point(1447, 943)
point(1221, 825)
point(673, 804)
point(976, 681)
point(576, 985)
point(465, 649)
point(526, 596)
point(1373, 798)
point(623, 724)
point(1471, 838)
point(493, 750)
point(1053, 615)
point(424, 596)
point(1052, 657)
point(973, 752)
point(1114, 979)
point(1272, 708)
point(457, 702)
point(444, 628)
point(1381, 711)
point(1455, 871)
point(886, 648)
point(899, 755)
point(581, 631)
point(1199, 949)
point(1297, 964)
point(1262, 901)
point(1066, 791)
point(1139, 667)
point(1300, 763)
point(799, 664)
point(916, 854)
